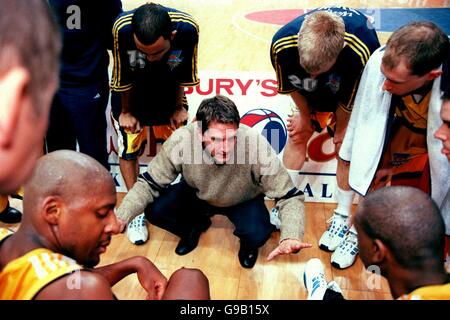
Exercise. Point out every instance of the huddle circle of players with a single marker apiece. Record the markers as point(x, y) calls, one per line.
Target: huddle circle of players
point(330, 62)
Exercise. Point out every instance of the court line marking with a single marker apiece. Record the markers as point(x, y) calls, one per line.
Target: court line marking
point(235, 24)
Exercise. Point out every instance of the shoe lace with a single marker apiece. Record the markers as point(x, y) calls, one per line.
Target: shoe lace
point(336, 223)
point(350, 244)
point(137, 222)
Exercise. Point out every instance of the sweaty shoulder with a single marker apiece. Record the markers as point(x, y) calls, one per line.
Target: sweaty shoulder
point(81, 285)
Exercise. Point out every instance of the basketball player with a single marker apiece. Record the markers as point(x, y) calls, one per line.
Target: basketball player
point(443, 134)
point(28, 80)
point(78, 110)
point(409, 249)
point(68, 223)
point(155, 57)
point(387, 141)
point(227, 169)
point(318, 58)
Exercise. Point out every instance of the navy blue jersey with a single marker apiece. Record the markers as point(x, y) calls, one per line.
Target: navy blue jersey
point(338, 86)
point(178, 66)
point(86, 29)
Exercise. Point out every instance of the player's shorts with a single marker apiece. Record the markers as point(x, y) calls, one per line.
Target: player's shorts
point(131, 145)
point(322, 120)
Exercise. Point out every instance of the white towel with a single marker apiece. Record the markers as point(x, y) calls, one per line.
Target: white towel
point(366, 132)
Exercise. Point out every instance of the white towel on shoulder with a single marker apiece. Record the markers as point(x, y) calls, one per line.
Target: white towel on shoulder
point(366, 132)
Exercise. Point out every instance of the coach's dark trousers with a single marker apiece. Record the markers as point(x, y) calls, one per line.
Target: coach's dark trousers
point(179, 210)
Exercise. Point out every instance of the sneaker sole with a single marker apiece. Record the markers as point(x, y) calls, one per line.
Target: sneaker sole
point(139, 242)
point(337, 266)
point(325, 248)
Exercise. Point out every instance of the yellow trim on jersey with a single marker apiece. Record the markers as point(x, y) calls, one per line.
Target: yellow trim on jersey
point(349, 107)
point(359, 43)
point(24, 277)
point(115, 84)
point(194, 71)
point(183, 17)
point(358, 47)
point(280, 41)
point(279, 45)
point(288, 43)
point(5, 233)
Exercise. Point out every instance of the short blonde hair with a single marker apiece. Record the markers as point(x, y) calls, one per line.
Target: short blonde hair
point(320, 40)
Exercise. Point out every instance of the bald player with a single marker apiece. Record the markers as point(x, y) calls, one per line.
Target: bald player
point(409, 248)
point(68, 223)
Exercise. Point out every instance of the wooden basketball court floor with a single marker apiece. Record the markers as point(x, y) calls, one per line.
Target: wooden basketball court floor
point(230, 41)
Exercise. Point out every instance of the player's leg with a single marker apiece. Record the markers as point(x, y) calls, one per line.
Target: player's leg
point(89, 120)
point(60, 133)
point(187, 284)
point(130, 147)
point(294, 154)
point(342, 239)
point(336, 233)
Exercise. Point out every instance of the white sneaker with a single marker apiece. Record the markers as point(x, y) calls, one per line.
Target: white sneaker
point(137, 231)
point(335, 233)
point(314, 279)
point(275, 218)
point(345, 254)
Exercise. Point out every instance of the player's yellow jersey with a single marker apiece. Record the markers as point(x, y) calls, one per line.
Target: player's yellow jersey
point(438, 292)
point(24, 277)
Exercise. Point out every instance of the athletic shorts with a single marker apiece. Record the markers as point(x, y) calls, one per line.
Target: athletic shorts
point(131, 145)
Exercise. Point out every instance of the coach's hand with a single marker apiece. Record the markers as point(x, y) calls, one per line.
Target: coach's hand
point(129, 122)
point(121, 225)
point(288, 246)
point(178, 118)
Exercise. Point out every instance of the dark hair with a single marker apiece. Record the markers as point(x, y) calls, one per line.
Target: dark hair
point(407, 221)
point(29, 37)
point(423, 44)
point(218, 108)
point(151, 21)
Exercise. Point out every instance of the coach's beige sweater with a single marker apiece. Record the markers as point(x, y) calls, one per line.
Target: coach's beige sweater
point(255, 169)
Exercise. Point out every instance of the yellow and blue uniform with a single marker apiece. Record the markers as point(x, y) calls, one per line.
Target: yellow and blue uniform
point(405, 149)
point(336, 87)
point(155, 84)
point(24, 277)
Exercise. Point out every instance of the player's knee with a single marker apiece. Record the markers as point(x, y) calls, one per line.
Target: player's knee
point(192, 275)
point(300, 139)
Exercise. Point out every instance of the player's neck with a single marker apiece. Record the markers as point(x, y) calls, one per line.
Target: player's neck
point(19, 244)
point(406, 281)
